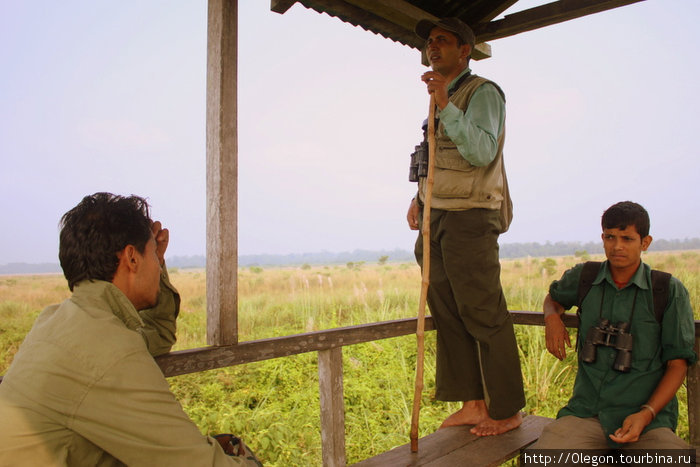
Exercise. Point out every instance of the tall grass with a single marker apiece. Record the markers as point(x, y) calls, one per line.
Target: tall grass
point(274, 404)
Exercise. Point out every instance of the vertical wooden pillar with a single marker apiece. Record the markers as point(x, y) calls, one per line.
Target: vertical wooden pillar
point(694, 397)
point(222, 173)
point(330, 380)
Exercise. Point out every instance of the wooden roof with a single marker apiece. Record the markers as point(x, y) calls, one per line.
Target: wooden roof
point(396, 19)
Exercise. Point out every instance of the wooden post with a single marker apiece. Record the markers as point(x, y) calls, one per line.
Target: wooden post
point(222, 173)
point(693, 388)
point(330, 381)
point(425, 278)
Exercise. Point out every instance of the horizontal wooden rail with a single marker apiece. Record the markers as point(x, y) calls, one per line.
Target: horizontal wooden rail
point(208, 358)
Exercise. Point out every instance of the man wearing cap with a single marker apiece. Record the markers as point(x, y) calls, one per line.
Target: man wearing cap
point(477, 355)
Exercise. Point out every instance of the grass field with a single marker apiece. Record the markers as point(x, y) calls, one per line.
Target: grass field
point(274, 404)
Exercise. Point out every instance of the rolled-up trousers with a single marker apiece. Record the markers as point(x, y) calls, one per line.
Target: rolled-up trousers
point(477, 355)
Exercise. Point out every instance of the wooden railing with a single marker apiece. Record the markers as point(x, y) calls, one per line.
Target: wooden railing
point(329, 344)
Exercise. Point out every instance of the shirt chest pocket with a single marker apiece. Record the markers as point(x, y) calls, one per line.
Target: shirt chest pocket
point(646, 354)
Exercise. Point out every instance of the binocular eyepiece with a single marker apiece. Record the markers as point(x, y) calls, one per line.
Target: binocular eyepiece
point(617, 337)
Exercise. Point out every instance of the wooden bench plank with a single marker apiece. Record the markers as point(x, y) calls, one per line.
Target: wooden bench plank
point(457, 446)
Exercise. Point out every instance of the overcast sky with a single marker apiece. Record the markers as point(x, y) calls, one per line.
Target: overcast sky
point(110, 96)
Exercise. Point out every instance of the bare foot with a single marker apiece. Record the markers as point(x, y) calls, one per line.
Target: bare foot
point(471, 413)
point(491, 427)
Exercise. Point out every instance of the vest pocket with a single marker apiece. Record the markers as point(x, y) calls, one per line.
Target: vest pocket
point(452, 183)
point(454, 176)
point(448, 157)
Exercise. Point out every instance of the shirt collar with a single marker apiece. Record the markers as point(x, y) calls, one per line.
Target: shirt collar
point(639, 278)
point(454, 81)
point(106, 296)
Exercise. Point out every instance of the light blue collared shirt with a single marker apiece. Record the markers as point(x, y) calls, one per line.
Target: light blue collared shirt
point(476, 130)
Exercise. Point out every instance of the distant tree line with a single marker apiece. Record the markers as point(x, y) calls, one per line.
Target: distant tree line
point(507, 250)
point(522, 250)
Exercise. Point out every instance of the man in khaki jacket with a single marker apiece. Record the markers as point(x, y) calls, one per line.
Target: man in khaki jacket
point(83, 389)
point(477, 355)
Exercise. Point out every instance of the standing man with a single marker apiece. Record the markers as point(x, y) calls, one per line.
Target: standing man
point(477, 355)
point(630, 402)
point(83, 389)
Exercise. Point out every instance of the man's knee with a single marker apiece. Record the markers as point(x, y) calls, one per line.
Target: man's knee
point(660, 438)
point(571, 432)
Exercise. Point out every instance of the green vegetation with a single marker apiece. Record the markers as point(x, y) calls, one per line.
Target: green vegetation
point(274, 404)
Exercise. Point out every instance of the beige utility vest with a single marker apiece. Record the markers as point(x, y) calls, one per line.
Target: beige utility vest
point(459, 185)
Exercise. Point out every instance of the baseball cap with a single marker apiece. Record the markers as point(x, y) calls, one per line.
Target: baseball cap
point(454, 25)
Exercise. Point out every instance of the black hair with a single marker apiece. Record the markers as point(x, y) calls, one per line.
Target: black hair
point(93, 232)
point(625, 213)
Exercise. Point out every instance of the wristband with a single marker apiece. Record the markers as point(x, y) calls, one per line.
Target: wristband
point(651, 409)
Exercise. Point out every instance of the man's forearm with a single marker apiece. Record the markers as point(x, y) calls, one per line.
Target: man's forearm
point(160, 321)
point(550, 307)
point(668, 386)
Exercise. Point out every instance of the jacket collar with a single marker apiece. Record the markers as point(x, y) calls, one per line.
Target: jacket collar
point(106, 296)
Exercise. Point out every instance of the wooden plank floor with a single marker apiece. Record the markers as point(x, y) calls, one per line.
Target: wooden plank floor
point(454, 446)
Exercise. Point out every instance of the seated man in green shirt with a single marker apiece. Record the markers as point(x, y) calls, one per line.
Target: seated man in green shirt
point(84, 389)
point(616, 403)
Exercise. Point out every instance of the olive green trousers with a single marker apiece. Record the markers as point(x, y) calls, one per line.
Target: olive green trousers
point(477, 354)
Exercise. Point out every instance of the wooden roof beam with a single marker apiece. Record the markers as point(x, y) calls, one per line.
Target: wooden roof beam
point(396, 18)
point(407, 16)
point(497, 11)
point(281, 6)
point(397, 11)
point(544, 15)
point(355, 15)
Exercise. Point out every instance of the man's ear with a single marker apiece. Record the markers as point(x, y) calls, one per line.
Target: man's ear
point(424, 57)
point(646, 241)
point(466, 51)
point(128, 258)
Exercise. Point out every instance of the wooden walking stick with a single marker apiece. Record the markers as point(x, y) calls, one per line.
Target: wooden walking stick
point(425, 277)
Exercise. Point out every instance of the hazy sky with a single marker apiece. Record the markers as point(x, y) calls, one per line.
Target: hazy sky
point(110, 96)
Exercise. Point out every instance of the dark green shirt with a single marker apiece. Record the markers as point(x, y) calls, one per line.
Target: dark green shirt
point(599, 390)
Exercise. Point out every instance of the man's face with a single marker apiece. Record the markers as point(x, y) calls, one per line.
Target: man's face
point(148, 277)
point(444, 55)
point(623, 248)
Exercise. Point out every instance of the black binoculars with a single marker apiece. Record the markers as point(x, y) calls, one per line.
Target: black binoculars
point(419, 162)
point(617, 337)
